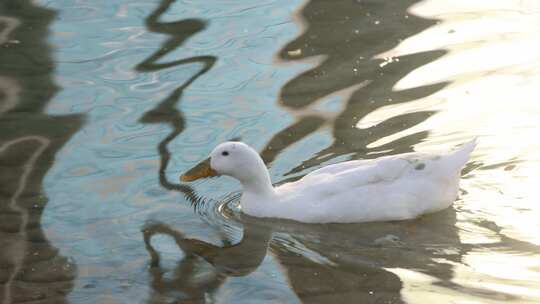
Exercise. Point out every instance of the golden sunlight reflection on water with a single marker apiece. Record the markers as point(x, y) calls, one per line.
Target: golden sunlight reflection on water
point(493, 64)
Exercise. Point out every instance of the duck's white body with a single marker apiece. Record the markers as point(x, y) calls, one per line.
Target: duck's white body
point(395, 187)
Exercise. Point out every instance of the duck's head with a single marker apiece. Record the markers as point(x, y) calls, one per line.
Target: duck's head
point(234, 159)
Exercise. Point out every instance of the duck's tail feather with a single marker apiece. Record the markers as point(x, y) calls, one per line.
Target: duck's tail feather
point(458, 158)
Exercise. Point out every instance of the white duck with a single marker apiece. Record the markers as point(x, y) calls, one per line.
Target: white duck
point(396, 187)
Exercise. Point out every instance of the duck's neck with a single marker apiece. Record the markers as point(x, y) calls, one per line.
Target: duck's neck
point(257, 189)
point(257, 195)
point(258, 183)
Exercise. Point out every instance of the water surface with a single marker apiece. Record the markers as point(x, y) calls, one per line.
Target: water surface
point(103, 105)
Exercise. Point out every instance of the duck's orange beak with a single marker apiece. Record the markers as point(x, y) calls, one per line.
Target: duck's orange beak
point(201, 170)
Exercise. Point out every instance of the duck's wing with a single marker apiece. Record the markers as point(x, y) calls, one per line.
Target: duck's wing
point(386, 169)
point(358, 173)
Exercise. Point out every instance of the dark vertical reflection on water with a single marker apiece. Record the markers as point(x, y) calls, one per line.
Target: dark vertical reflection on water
point(30, 268)
point(349, 34)
point(166, 111)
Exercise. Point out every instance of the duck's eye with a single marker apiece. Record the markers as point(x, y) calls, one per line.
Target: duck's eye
point(225, 153)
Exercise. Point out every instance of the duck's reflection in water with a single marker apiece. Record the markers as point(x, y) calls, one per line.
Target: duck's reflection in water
point(313, 280)
point(331, 263)
point(230, 260)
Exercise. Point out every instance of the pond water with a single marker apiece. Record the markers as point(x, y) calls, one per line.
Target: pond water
point(103, 104)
